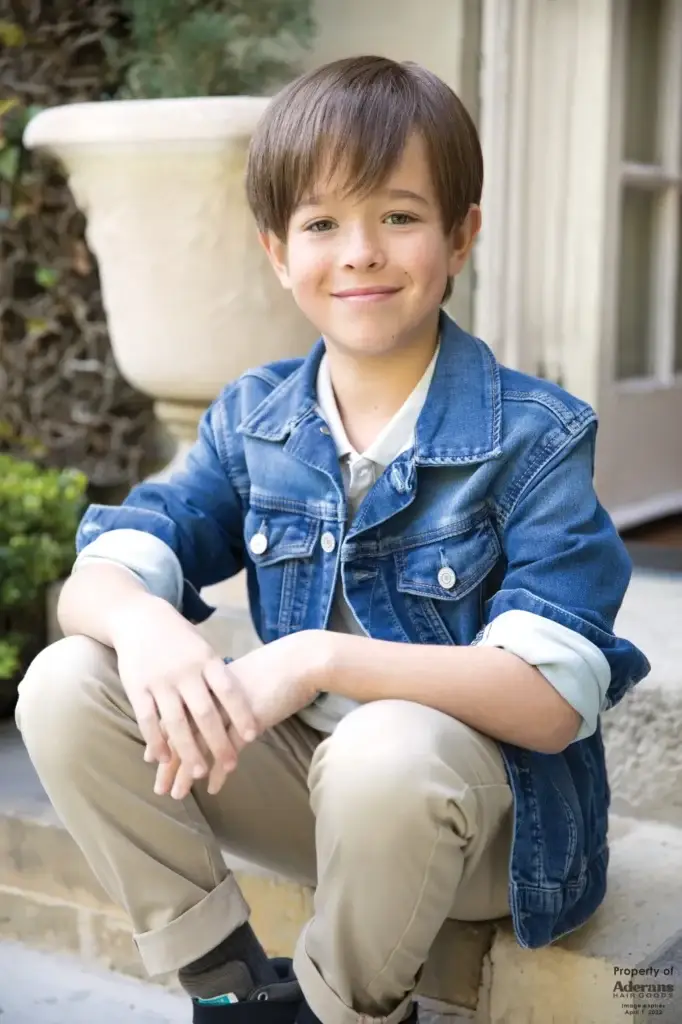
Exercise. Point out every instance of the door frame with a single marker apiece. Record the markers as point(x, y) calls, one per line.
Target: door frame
point(642, 417)
point(545, 284)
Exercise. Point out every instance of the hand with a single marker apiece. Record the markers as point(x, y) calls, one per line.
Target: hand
point(276, 680)
point(176, 778)
point(183, 698)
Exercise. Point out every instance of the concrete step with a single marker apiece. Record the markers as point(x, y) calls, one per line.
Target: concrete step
point(59, 989)
point(49, 900)
point(641, 735)
point(584, 978)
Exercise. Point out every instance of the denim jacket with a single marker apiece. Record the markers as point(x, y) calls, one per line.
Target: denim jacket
point(498, 487)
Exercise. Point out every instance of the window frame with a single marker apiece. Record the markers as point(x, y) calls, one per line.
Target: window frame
point(665, 180)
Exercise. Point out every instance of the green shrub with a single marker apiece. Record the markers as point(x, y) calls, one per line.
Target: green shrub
point(210, 47)
point(39, 514)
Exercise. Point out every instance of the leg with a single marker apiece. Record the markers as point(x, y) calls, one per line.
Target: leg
point(158, 858)
point(412, 816)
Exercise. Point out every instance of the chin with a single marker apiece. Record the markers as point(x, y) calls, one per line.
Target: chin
point(365, 342)
point(376, 335)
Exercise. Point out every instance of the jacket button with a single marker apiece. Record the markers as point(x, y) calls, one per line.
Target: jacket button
point(328, 542)
point(447, 578)
point(258, 544)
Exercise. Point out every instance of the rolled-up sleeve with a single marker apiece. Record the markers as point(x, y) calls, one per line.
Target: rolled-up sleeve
point(180, 535)
point(566, 564)
point(147, 558)
point(572, 664)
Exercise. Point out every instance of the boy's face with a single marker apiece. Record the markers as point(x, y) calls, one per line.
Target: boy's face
point(370, 272)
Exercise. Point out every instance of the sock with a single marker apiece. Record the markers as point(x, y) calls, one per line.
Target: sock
point(237, 965)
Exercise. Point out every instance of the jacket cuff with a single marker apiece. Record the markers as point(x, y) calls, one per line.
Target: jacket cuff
point(572, 664)
point(150, 560)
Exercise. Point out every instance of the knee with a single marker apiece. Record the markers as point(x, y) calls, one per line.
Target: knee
point(57, 697)
point(377, 765)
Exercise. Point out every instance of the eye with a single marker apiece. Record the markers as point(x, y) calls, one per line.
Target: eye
point(319, 226)
point(407, 218)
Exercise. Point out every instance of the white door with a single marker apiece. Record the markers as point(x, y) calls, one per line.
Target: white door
point(579, 269)
point(640, 396)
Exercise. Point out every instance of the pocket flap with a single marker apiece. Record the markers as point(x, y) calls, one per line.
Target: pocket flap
point(451, 564)
point(273, 537)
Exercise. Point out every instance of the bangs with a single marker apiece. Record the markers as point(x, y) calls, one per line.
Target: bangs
point(354, 117)
point(359, 137)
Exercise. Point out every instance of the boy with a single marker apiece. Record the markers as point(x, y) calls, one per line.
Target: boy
point(431, 572)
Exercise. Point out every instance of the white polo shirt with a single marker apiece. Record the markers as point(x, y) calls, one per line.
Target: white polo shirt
point(360, 473)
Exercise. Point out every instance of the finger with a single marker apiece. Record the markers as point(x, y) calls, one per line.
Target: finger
point(207, 721)
point(165, 776)
point(217, 774)
point(182, 784)
point(216, 778)
point(230, 695)
point(179, 731)
point(235, 739)
point(147, 717)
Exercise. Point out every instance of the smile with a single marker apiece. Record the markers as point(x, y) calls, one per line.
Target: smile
point(377, 295)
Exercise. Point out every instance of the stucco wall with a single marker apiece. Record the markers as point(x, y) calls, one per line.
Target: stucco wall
point(443, 35)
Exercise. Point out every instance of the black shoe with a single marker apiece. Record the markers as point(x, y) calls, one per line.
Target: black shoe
point(306, 1015)
point(278, 1003)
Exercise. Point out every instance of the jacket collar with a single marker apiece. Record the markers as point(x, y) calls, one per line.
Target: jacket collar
point(461, 420)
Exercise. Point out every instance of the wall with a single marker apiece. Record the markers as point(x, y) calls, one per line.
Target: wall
point(443, 35)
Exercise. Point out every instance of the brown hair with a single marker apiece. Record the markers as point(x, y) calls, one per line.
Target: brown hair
point(360, 111)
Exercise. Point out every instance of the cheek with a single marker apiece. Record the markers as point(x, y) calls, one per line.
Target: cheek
point(308, 267)
point(425, 257)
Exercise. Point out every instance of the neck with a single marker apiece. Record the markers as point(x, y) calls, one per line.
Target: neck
point(369, 390)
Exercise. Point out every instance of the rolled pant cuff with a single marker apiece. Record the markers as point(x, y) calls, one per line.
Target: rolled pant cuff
point(196, 932)
point(325, 1003)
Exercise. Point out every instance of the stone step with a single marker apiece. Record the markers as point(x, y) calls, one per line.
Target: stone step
point(49, 900)
point(54, 988)
point(583, 978)
point(641, 734)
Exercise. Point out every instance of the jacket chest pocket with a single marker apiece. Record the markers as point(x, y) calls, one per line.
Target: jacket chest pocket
point(443, 579)
point(281, 546)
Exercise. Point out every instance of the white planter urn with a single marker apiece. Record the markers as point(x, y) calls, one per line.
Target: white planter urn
point(190, 299)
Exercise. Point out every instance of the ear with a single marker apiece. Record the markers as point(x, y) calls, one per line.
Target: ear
point(277, 254)
point(463, 238)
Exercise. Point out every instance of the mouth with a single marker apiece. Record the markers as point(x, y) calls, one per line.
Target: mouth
point(374, 294)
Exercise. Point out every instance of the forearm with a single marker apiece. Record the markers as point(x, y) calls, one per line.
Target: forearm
point(95, 600)
point(488, 689)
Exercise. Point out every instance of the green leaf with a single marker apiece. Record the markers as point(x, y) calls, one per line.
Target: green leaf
point(11, 34)
point(9, 163)
point(211, 47)
point(9, 659)
point(8, 104)
point(46, 277)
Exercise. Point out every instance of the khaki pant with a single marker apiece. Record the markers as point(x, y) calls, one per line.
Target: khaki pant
point(401, 818)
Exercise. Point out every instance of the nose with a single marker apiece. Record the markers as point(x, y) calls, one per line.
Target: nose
point(362, 250)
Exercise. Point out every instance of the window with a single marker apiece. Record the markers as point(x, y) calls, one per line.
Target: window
point(649, 56)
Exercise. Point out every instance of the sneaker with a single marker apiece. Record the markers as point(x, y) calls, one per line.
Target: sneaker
point(277, 1003)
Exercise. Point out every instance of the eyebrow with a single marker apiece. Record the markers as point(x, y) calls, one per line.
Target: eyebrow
point(391, 193)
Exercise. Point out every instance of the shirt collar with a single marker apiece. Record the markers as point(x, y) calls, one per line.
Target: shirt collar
point(460, 424)
point(395, 437)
